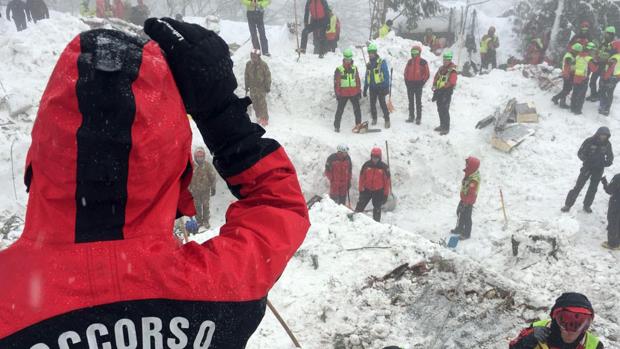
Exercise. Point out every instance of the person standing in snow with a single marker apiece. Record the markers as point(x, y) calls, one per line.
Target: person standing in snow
point(332, 34)
point(568, 73)
point(256, 22)
point(347, 86)
point(584, 66)
point(431, 41)
point(601, 57)
point(315, 20)
point(377, 80)
point(609, 80)
point(112, 144)
point(596, 154)
point(443, 87)
point(416, 76)
point(488, 49)
point(19, 12)
point(37, 10)
point(535, 51)
point(613, 213)
point(571, 318)
point(338, 170)
point(385, 29)
point(202, 187)
point(374, 184)
point(258, 84)
point(583, 37)
point(469, 193)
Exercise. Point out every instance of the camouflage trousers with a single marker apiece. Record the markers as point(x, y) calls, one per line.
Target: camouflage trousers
point(259, 103)
point(202, 209)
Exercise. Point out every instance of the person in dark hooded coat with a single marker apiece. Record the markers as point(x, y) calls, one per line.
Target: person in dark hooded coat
point(596, 154)
point(17, 11)
point(613, 213)
point(38, 10)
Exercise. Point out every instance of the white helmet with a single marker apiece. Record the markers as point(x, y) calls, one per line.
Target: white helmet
point(343, 148)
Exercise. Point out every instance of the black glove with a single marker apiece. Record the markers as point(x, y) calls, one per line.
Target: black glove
point(604, 180)
point(200, 62)
point(365, 93)
point(539, 335)
point(212, 191)
point(434, 96)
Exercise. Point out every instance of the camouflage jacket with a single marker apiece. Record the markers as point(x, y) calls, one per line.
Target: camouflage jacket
point(257, 77)
point(203, 179)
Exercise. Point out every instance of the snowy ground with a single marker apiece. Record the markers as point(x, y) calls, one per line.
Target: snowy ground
point(477, 297)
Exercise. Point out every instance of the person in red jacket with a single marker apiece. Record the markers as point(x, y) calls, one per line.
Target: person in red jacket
point(338, 171)
point(568, 73)
point(316, 20)
point(108, 168)
point(416, 75)
point(469, 193)
point(443, 87)
point(348, 87)
point(374, 184)
point(584, 67)
point(609, 79)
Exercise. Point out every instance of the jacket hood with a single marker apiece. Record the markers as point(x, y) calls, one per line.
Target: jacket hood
point(472, 164)
point(110, 157)
point(603, 131)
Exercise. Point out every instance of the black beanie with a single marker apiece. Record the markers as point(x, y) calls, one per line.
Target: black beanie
point(572, 299)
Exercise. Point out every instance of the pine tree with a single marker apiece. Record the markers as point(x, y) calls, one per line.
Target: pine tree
point(415, 10)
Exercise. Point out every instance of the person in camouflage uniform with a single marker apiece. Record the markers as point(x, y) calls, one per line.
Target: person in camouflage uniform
point(258, 84)
point(202, 186)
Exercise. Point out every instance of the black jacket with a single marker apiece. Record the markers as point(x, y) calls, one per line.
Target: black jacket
point(613, 213)
point(18, 9)
point(595, 154)
point(37, 10)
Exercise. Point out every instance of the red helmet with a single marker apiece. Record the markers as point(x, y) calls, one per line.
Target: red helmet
point(375, 152)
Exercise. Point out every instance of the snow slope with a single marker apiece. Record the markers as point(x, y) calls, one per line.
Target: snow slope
point(476, 297)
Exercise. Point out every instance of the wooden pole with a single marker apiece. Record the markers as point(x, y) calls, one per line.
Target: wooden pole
point(296, 30)
point(501, 196)
point(281, 321)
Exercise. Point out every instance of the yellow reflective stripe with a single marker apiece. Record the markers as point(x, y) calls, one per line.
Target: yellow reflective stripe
point(377, 72)
point(581, 65)
point(332, 24)
point(347, 79)
point(616, 57)
point(443, 79)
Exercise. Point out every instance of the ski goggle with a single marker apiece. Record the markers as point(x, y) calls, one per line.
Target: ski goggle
point(415, 52)
point(573, 319)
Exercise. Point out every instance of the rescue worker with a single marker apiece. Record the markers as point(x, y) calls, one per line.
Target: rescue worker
point(443, 88)
point(315, 20)
point(338, 170)
point(256, 23)
point(416, 76)
point(535, 53)
point(347, 86)
point(17, 10)
point(385, 28)
point(583, 37)
point(258, 84)
point(604, 52)
point(37, 10)
point(469, 193)
point(374, 184)
point(583, 68)
point(377, 80)
point(202, 187)
point(488, 49)
point(568, 73)
point(613, 213)
point(114, 150)
point(118, 9)
point(332, 35)
point(571, 317)
point(430, 40)
point(609, 80)
point(596, 154)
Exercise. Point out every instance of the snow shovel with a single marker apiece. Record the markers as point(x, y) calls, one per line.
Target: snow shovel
point(389, 103)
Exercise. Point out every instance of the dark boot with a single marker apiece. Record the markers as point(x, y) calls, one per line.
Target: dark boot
point(563, 104)
point(565, 209)
point(555, 100)
point(418, 121)
point(587, 209)
point(409, 120)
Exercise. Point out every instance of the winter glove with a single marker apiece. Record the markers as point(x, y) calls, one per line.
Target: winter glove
point(538, 335)
point(191, 226)
point(200, 62)
point(604, 181)
point(365, 93)
point(212, 191)
point(434, 96)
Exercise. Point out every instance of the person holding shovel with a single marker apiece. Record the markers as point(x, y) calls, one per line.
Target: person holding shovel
point(377, 80)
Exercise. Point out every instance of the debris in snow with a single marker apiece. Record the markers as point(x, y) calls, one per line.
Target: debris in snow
point(511, 137)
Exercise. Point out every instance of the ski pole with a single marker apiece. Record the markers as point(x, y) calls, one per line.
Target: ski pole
point(284, 325)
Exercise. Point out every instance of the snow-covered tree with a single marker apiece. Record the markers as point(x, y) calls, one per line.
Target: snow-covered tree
point(415, 10)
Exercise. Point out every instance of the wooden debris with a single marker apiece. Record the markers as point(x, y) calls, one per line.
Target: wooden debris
point(526, 113)
point(510, 137)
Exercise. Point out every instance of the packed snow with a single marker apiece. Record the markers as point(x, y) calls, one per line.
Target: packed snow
point(332, 293)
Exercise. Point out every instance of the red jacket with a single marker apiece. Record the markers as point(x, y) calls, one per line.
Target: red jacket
point(592, 67)
point(107, 172)
point(317, 9)
point(338, 171)
point(471, 181)
point(567, 68)
point(347, 91)
point(375, 177)
point(417, 70)
point(443, 70)
point(611, 66)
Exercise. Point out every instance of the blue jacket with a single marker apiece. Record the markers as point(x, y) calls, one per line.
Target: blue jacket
point(385, 85)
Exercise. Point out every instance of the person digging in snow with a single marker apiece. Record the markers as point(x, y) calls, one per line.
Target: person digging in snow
point(202, 187)
point(377, 80)
point(469, 193)
point(416, 76)
point(443, 87)
point(347, 87)
point(596, 154)
point(571, 317)
point(108, 170)
point(258, 84)
point(568, 73)
point(613, 212)
point(374, 184)
point(338, 170)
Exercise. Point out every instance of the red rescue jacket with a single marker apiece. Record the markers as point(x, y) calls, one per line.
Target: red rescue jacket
point(108, 170)
point(338, 170)
point(350, 91)
point(375, 177)
point(317, 9)
point(471, 181)
point(443, 70)
point(417, 70)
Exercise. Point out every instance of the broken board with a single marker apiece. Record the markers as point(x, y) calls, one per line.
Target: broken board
point(526, 113)
point(511, 137)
